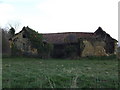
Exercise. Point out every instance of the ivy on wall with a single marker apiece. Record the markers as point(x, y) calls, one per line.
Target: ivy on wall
point(36, 40)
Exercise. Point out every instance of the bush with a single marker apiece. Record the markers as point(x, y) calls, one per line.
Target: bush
point(15, 51)
point(36, 40)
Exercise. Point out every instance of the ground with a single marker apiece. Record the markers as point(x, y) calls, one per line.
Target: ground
point(56, 73)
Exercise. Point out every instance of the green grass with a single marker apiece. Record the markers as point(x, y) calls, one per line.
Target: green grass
point(56, 73)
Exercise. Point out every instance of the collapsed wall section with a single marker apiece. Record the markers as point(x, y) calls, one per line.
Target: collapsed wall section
point(93, 48)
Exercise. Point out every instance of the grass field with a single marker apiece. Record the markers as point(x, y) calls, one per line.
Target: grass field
point(56, 73)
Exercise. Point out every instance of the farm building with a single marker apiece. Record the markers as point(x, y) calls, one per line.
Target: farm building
point(68, 44)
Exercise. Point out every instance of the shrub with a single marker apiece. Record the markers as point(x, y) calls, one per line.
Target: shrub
point(36, 40)
point(15, 51)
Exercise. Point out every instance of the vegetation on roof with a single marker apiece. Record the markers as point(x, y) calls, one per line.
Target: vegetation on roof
point(36, 40)
point(34, 37)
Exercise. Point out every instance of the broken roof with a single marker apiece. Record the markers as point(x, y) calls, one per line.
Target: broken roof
point(59, 38)
point(65, 37)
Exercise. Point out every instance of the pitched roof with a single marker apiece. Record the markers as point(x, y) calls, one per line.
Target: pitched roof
point(65, 37)
point(59, 38)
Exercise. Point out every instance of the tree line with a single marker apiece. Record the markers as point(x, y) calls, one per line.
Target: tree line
point(5, 35)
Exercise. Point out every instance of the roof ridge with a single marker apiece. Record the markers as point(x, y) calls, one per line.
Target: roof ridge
point(68, 33)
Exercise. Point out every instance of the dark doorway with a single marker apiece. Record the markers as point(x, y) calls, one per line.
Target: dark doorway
point(65, 50)
point(58, 51)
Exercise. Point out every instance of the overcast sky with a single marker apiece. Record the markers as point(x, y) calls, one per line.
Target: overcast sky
point(48, 16)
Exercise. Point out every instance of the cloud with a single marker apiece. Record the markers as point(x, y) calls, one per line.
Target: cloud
point(75, 11)
point(6, 7)
point(10, 1)
point(6, 12)
point(62, 15)
point(1, 1)
point(80, 15)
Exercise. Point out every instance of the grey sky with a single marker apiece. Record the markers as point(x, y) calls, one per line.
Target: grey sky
point(47, 16)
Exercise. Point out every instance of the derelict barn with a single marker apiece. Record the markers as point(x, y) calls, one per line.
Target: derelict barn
point(69, 44)
point(66, 44)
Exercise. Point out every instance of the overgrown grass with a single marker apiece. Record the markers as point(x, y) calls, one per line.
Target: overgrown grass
point(56, 73)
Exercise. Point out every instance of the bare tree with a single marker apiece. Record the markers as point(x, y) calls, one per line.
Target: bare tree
point(5, 43)
point(11, 27)
point(13, 24)
point(7, 33)
point(11, 32)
